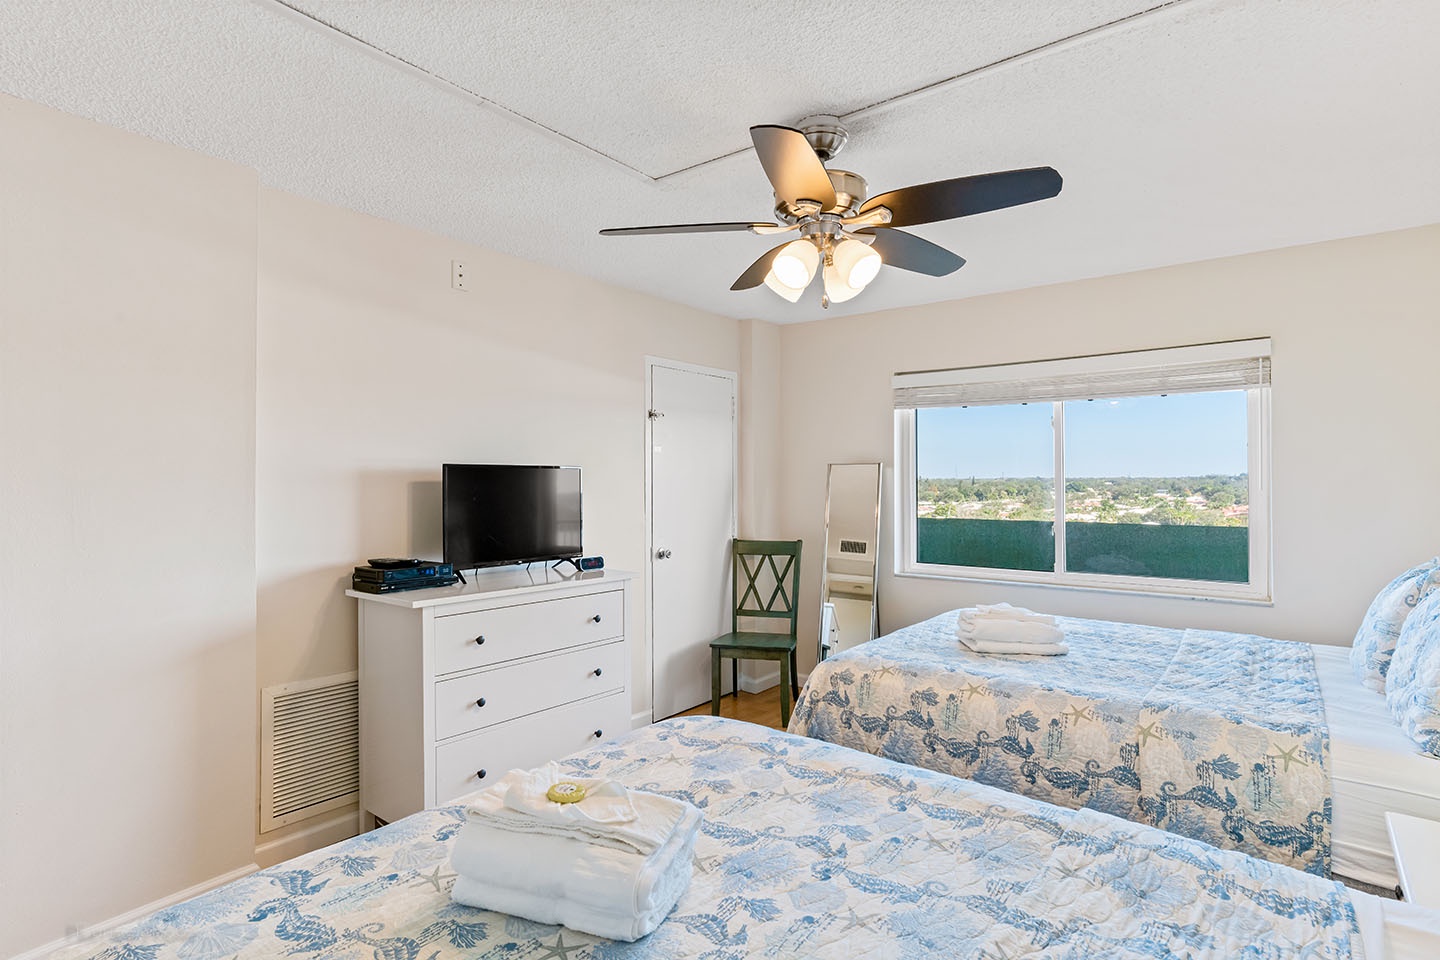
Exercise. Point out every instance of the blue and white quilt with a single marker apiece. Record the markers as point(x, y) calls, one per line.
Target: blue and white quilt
point(1216, 736)
point(807, 849)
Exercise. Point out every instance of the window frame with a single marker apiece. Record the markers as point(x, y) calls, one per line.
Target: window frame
point(1257, 590)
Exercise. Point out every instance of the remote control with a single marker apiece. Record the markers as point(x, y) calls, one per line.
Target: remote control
point(392, 563)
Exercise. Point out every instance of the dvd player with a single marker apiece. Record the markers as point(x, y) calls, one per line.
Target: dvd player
point(414, 583)
point(422, 570)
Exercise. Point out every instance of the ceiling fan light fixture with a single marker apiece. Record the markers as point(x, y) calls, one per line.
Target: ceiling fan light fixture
point(857, 264)
point(836, 289)
point(792, 269)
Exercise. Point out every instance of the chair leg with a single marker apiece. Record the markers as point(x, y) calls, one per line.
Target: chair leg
point(785, 681)
point(794, 678)
point(735, 678)
point(714, 683)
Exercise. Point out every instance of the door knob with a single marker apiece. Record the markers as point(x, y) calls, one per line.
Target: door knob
point(662, 554)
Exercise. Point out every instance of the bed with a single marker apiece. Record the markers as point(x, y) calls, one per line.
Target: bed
point(1374, 768)
point(1264, 746)
point(808, 849)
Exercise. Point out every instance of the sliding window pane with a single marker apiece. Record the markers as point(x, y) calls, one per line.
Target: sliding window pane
point(1158, 487)
point(985, 488)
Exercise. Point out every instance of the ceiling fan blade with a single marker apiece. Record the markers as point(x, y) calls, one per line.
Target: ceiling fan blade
point(754, 275)
point(682, 228)
point(790, 162)
point(909, 252)
point(963, 196)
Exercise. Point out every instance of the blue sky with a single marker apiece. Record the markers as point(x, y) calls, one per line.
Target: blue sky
point(1175, 436)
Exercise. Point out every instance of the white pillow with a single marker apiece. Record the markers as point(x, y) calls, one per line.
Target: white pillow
point(1412, 686)
point(1375, 641)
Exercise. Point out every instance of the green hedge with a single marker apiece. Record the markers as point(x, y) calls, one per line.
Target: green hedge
point(1127, 549)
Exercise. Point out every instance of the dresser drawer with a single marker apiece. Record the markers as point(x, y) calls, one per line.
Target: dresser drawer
point(464, 641)
point(526, 742)
point(493, 696)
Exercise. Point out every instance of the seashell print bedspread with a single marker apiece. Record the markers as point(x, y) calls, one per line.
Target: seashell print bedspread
point(1216, 736)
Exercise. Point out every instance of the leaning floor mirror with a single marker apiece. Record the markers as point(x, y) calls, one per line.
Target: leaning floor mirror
point(849, 614)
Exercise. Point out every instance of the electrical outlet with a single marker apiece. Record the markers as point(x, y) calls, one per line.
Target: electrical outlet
point(457, 275)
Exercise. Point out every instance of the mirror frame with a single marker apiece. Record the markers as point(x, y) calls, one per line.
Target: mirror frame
point(821, 646)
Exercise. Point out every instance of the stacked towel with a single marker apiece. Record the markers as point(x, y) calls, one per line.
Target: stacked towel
point(613, 864)
point(1001, 628)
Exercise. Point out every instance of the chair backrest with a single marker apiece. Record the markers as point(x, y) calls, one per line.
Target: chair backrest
point(760, 569)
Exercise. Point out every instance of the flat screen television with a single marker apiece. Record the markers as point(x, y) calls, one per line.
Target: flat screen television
point(496, 514)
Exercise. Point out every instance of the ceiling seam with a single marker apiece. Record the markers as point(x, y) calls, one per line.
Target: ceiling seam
point(1018, 59)
point(1014, 60)
point(450, 86)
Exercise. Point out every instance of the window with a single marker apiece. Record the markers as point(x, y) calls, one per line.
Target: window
point(1141, 471)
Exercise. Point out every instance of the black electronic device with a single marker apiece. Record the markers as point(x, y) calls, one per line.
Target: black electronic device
point(420, 571)
point(415, 583)
point(590, 563)
point(496, 514)
point(393, 563)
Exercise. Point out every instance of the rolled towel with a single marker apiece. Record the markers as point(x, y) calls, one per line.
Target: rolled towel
point(610, 815)
point(1003, 647)
point(1011, 631)
point(601, 890)
point(1004, 611)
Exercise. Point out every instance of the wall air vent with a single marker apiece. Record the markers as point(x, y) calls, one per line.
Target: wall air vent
point(854, 546)
point(309, 748)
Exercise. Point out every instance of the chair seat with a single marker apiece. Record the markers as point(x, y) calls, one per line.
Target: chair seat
point(748, 640)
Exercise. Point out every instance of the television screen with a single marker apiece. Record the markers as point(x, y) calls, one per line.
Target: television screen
point(506, 513)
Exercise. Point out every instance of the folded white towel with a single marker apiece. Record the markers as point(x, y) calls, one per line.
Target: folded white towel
point(1004, 611)
point(1001, 646)
point(1010, 631)
point(610, 815)
point(601, 890)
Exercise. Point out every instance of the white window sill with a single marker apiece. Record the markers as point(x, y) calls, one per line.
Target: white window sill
point(1169, 590)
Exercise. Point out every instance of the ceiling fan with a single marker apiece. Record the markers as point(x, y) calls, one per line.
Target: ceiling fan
point(851, 236)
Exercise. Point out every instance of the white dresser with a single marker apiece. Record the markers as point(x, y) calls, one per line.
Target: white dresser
point(460, 684)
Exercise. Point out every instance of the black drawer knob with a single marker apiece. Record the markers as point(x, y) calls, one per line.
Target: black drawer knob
point(599, 734)
point(597, 671)
point(480, 639)
point(479, 774)
point(480, 702)
point(596, 618)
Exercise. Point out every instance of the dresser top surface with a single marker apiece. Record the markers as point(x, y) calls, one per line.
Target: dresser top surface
point(500, 583)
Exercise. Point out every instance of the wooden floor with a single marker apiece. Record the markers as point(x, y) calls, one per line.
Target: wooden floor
point(762, 708)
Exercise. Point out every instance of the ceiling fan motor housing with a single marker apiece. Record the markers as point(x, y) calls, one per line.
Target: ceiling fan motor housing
point(849, 194)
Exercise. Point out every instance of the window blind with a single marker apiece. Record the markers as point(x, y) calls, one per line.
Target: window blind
point(1234, 365)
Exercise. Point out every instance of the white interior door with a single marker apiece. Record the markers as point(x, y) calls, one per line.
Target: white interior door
point(692, 519)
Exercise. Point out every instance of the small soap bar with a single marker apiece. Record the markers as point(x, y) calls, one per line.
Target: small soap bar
point(564, 792)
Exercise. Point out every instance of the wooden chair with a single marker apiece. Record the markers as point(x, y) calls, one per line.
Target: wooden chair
point(752, 558)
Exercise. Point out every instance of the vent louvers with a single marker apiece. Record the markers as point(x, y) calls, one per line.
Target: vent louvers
point(309, 748)
point(854, 546)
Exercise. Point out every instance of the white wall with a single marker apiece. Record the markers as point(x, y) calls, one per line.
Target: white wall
point(127, 565)
point(1355, 460)
point(373, 372)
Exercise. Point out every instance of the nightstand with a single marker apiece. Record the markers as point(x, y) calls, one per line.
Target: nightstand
point(1416, 844)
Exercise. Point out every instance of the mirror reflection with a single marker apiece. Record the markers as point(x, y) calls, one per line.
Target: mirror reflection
point(849, 614)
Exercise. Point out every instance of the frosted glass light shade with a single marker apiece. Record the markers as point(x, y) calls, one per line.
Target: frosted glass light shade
point(835, 286)
point(856, 262)
point(792, 269)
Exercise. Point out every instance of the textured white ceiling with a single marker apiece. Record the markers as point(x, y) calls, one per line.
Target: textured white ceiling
point(1184, 130)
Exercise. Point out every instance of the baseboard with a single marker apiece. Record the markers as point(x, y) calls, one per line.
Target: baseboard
point(340, 825)
point(129, 916)
point(758, 684)
point(641, 719)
